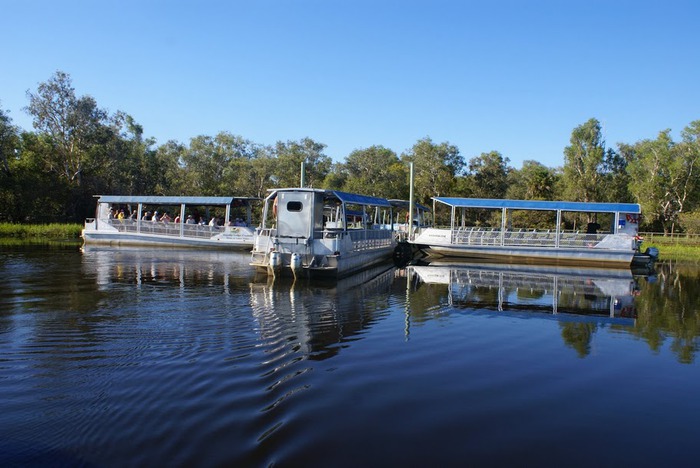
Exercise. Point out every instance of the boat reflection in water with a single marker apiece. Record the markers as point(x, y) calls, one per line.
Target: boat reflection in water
point(318, 316)
point(606, 294)
point(182, 267)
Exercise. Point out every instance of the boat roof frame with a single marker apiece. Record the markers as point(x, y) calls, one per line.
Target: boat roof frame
point(344, 197)
point(404, 204)
point(171, 200)
point(540, 205)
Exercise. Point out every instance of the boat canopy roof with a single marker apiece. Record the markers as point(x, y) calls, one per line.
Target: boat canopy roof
point(155, 200)
point(344, 197)
point(540, 205)
point(404, 204)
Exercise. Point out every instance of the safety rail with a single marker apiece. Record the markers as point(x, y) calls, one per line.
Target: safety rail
point(524, 238)
point(367, 239)
point(166, 228)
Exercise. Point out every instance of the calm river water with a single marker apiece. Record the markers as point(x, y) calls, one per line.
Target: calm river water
point(145, 357)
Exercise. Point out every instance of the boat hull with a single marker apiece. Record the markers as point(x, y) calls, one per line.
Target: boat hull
point(325, 266)
point(154, 240)
point(560, 256)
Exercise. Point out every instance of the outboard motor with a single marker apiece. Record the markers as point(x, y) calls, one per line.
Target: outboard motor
point(653, 252)
point(296, 264)
point(275, 261)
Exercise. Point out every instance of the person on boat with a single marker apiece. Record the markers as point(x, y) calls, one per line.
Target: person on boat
point(212, 221)
point(155, 217)
point(165, 218)
point(111, 214)
point(177, 219)
point(121, 215)
point(190, 220)
point(592, 228)
point(591, 231)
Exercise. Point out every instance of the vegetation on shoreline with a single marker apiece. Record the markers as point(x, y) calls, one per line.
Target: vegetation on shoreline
point(53, 231)
point(676, 249)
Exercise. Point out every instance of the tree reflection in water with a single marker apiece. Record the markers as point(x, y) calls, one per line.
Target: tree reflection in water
point(656, 307)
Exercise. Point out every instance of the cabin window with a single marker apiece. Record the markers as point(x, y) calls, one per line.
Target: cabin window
point(294, 206)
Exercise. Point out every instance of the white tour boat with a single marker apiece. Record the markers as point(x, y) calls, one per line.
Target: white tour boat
point(204, 222)
point(614, 246)
point(322, 233)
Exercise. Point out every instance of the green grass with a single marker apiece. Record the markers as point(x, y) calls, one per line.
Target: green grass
point(54, 231)
point(673, 250)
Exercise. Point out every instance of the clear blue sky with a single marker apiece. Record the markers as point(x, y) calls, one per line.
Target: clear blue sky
point(510, 76)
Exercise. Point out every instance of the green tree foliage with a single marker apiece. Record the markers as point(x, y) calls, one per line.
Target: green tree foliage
point(291, 154)
point(665, 176)
point(166, 171)
point(584, 163)
point(71, 124)
point(9, 142)
point(436, 167)
point(214, 163)
point(9, 149)
point(534, 181)
point(487, 176)
point(376, 171)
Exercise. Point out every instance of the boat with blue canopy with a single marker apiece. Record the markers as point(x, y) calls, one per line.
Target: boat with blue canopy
point(497, 229)
point(171, 221)
point(322, 233)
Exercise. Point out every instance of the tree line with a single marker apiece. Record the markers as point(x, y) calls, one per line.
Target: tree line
point(78, 150)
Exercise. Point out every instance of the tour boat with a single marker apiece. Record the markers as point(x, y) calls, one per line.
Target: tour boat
point(613, 246)
point(322, 233)
point(197, 222)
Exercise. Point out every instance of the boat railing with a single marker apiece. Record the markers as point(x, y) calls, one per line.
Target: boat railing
point(367, 239)
point(165, 228)
point(524, 237)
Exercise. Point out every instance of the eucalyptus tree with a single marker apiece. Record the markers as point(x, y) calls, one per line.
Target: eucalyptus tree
point(665, 176)
point(290, 155)
point(584, 162)
point(209, 162)
point(435, 168)
point(252, 175)
point(166, 172)
point(9, 151)
point(487, 175)
point(137, 169)
point(376, 171)
point(9, 142)
point(534, 181)
point(337, 177)
point(70, 122)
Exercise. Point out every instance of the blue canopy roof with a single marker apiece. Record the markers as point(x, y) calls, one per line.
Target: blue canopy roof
point(154, 200)
point(344, 197)
point(405, 203)
point(361, 199)
point(540, 205)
